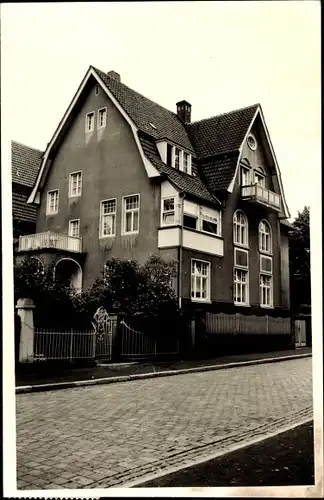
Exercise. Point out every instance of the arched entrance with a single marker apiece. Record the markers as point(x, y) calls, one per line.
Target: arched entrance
point(69, 273)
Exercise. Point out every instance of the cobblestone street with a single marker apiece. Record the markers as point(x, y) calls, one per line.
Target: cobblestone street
point(107, 435)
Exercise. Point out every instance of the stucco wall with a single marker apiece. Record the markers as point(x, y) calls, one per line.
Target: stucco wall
point(111, 168)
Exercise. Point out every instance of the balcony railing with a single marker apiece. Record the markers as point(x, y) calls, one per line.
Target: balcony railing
point(258, 194)
point(49, 239)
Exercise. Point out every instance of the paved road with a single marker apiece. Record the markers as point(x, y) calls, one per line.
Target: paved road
point(109, 435)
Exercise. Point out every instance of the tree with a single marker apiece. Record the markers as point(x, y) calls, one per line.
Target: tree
point(299, 259)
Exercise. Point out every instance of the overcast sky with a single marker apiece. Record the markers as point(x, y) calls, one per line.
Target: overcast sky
point(217, 55)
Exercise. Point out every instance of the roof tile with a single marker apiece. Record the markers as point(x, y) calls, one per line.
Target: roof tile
point(25, 163)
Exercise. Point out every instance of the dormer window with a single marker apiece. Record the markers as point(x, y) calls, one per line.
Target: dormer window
point(174, 156)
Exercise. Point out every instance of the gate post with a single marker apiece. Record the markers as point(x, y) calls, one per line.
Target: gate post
point(26, 346)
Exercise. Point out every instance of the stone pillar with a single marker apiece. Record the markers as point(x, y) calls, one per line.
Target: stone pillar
point(25, 312)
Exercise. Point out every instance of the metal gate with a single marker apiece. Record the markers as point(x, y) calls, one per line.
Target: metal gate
point(105, 327)
point(300, 333)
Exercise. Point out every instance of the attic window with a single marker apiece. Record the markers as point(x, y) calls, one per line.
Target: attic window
point(252, 143)
point(97, 89)
point(152, 125)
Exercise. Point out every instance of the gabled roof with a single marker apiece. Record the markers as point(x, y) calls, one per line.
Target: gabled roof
point(143, 111)
point(191, 185)
point(25, 163)
point(221, 134)
point(216, 142)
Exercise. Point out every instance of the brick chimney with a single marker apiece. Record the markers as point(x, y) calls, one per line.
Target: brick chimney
point(114, 75)
point(184, 111)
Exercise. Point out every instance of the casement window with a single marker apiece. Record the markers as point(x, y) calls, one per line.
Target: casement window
point(266, 290)
point(245, 176)
point(169, 155)
point(74, 228)
point(108, 217)
point(89, 122)
point(131, 214)
point(75, 184)
point(265, 237)
point(200, 280)
point(102, 118)
point(168, 211)
point(189, 221)
point(177, 158)
point(185, 162)
point(259, 179)
point(241, 287)
point(241, 277)
point(240, 228)
point(52, 202)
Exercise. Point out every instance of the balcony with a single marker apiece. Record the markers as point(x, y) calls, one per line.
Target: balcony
point(261, 196)
point(40, 241)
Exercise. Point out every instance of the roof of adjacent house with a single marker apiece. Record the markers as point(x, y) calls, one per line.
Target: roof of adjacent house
point(21, 210)
point(25, 163)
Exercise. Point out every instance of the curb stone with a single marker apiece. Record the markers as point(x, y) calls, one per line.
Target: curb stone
point(166, 373)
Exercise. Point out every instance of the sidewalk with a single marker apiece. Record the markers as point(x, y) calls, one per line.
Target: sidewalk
point(43, 378)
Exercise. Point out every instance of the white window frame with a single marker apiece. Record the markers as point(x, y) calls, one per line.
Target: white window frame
point(264, 271)
point(168, 212)
point(109, 214)
point(124, 212)
point(248, 174)
point(247, 258)
point(70, 228)
point(269, 234)
point(87, 130)
point(188, 156)
point(98, 118)
point(261, 287)
point(245, 243)
point(208, 285)
point(71, 195)
point(48, 211)
point(97, 89)
point(261, 177)
point(240, 283)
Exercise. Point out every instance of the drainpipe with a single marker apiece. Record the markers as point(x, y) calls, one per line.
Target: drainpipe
point(180, 250)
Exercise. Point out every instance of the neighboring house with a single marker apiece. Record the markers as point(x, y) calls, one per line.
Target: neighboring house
point(25, 163)
point(124, 177)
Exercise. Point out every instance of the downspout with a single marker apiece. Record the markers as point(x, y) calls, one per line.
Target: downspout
point(180, 250)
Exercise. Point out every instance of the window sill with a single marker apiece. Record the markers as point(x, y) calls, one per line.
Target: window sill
point(132, 233)
point(99, 128)
point(201, 301)
point(239, 304)
point(74, 196)
point(268, 254)
point(89, 131)
point(51, 213)
point(266, 307)
point(239, 245)
point(107, 236)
